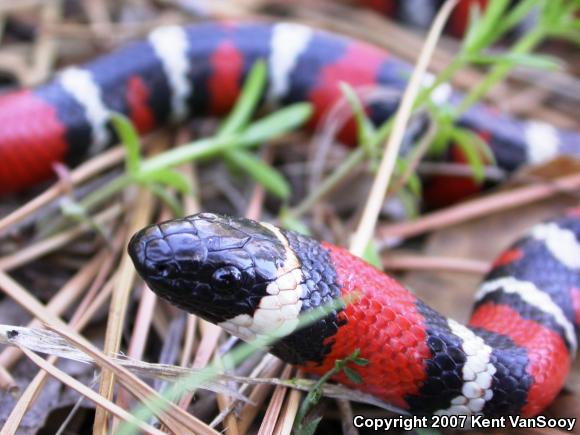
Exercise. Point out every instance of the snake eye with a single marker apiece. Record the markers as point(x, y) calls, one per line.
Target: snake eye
point(226, 278)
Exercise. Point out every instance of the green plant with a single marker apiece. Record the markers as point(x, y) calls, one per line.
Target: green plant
point(237, 133)
point(304, 426)
point(556, 19)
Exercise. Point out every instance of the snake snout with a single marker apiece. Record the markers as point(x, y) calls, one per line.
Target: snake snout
point(158, 255)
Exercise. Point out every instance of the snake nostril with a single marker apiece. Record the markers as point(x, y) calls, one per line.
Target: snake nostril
point(163, 269)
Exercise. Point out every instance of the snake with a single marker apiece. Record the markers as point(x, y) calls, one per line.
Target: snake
point(177, 72)
point(253, 278)
point(250, 277)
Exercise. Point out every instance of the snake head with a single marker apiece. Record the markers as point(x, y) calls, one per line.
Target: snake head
point(251, 278)
point(213, 266)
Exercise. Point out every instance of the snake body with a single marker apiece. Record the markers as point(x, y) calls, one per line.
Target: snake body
point(178, 72)
point(252, 278)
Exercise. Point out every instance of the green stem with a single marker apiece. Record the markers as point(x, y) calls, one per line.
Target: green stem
point(310, 398)
point(98, 196)
point(89, 202)
point(358, 156)
point(450, 70)
point(500, 71)
point(186, 153)
point(354, 159)
point(196, 150)
point(445, 75)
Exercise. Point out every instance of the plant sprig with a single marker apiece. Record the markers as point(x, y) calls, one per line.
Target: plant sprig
point(237, 134)
point(556, 19)
point(303, 426)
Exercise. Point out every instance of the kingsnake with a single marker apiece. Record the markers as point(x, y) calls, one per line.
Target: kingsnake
point(179, 71)
point(250, 278)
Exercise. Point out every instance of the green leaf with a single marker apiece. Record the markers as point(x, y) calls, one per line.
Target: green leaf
point(75, 211)
point(277, 123)
point(551, 12)
point(517, 14)
point(372, 256)
point(130, 140)
point(354, 354)
point(472, 26)
point(260, 131)
point(440, 142)
point(383, 132)
point(260, 171)
point(475, 150)
point(478, 143)
point(352, 375)
point(409, 202)
point(413, 181)
point(415, 186)
point(525, 59)
point(169, 177)
point(72, 208)
point(168, 198)
point(574, 24)
point(485, 31)
point(248, 100)
point(364, 126)
point(361, 361)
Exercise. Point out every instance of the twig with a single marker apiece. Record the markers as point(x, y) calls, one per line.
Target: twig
point(176, 419)
point(267, 368)
point(256, 202)
point(481, 207)
point(118, 308)
point(46, 46)
point(210, 336)
point(49, 342)
point(372, 208)
point(289, 412)
point(273, 411)
point(57, 241)
point(78, 322)
point(259, 394)
point(230, 423)
point(61, 301)
point(492, 173)
point(89, 394)
point(140, 334)
point(82, 173)
point(420, 262)
point(347, 417)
